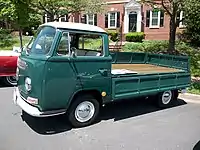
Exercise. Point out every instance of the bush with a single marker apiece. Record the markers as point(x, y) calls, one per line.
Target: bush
point(5, 38)
point(162, 46)
point(134, 36)
point(113, 35)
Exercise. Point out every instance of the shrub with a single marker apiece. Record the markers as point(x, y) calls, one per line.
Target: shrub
point(134, 36)
point(113, 35)
point(5, 38)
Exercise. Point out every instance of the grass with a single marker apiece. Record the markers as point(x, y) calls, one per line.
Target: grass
point(195, 88)
point(16, 42)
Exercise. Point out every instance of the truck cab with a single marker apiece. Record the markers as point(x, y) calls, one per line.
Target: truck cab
point(67, 68)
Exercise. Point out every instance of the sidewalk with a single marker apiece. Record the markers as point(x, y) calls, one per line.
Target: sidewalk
point(193, 98)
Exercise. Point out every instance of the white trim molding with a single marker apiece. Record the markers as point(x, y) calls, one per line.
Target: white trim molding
point(151, 20)
point(109, 24)
point(133, 5)
point(88, 19)
point(181, 25)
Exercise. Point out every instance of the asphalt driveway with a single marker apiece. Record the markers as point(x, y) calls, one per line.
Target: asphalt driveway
point(131, 125)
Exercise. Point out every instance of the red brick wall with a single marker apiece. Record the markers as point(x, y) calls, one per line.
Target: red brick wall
point(110, 7)
point(161, 33)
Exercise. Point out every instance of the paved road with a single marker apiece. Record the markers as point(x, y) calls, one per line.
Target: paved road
point(136, 125)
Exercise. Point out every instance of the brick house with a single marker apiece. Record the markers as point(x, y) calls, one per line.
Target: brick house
point(128, 16)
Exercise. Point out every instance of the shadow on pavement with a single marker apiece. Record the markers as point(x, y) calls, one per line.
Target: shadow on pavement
point(197, 146)
point(128, 109)
point(117, 111)
point(45, 126)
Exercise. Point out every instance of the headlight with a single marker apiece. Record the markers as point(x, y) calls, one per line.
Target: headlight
point(28, 84)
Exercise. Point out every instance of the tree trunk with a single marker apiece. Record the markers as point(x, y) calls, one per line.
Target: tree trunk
point(172, 36)
point(6, 24)
point(20, 37)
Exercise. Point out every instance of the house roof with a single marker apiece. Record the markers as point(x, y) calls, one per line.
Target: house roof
point(74, 26)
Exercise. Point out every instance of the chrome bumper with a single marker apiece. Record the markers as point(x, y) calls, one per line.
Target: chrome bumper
point(31, 110)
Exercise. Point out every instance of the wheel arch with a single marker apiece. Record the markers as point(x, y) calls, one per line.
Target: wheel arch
point(92, 92)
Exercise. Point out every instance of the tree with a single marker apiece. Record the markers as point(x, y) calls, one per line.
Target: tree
point(192, 21)
point(7, 12)
point(171, 8)
point(22, 11)
point(56, 9)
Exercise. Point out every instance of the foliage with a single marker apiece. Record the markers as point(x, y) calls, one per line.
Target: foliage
point(192, 21)
point(162, 46)
point(13, 41)
point(7, 10)
point(5, 38)
point(194, 88)
point(134, 36)
point(113, 35)
point(56, 9)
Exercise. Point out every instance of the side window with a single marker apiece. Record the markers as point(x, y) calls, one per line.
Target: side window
point(63, 48)
point(90, 44)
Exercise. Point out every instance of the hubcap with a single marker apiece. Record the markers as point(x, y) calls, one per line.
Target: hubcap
point(166, 97)
point(11, 80)
point(84, 111)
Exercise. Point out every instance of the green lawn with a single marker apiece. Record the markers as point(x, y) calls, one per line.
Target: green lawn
point(16, 42)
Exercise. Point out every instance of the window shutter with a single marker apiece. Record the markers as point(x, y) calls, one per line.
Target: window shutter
point(106, 20)
point(118, 19)
point(147, 18)
point(95, 19)
point(44, 16)
point(83, 19)
point(162, 18)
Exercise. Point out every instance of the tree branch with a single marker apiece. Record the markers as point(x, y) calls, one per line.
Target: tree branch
point(163, 5)
point(44, 8)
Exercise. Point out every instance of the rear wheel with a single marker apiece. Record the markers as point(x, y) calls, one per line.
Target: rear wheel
point(83, 111)
point(165, 99)
point(10, 80)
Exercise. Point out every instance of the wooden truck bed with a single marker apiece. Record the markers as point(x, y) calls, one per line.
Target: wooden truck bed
point(144, 68)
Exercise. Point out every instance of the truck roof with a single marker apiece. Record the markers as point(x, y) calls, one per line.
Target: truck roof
point(75, 26)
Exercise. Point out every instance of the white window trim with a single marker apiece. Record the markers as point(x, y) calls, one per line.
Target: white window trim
point(64, 17)
point(181, 23)
point(150, 23)
point(87, 19)
point(113, 27)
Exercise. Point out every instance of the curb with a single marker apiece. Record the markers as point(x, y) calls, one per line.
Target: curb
point(189, 94)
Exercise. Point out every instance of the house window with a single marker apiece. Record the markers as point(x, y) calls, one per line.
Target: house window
point(181, 24)
point(47, 18)
point(90, 19)
point(112, 20)
point(154, 19)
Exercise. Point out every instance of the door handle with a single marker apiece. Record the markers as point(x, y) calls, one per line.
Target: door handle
point(104, 72)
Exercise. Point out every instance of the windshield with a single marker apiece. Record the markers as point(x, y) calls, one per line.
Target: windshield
point(42, 41)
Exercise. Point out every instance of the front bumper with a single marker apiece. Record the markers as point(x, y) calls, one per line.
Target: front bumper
point(31, 110)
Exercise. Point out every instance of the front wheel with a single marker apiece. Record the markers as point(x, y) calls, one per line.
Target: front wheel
point(10, 80)
point(83, 111)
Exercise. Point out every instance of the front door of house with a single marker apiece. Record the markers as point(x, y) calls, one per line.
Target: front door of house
point(132, 22)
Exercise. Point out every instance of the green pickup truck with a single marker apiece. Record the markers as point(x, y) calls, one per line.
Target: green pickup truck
point(67, 68)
